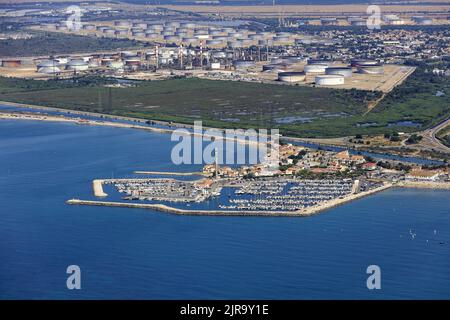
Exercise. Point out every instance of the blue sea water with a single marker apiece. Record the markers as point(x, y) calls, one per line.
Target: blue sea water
point(141, 254)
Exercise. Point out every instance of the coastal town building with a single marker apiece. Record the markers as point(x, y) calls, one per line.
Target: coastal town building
point(423, 175)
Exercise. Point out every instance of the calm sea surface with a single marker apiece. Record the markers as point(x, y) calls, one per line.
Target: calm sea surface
point(141, 254)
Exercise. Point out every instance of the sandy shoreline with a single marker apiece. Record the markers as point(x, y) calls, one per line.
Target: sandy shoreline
point(12, 115)
point(172, 126)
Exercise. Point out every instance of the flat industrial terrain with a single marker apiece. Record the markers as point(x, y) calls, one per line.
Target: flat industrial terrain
point(393, 76)
point(302, 10)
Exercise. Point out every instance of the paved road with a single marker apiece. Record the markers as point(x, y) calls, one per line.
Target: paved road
point(429, 137)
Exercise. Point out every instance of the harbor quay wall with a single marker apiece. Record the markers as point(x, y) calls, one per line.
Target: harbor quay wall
point(300, 213)
point(337, 202)
point(425, 185)
point(167, 209)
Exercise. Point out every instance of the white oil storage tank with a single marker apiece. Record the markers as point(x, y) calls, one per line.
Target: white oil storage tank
point(329, 80)
point(291, 77)
point(77, 65)
point(371, 69)
point(315, 68)
point(243, 64)
point(343, 71)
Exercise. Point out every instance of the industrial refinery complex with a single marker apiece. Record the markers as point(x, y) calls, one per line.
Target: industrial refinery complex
point(258, 48)
point(214, 51)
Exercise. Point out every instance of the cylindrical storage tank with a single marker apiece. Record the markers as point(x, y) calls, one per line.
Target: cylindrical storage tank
point(137, 30)
point(156, 26)
point(235, 44)
point(215, 65)
point(213, 42)
point(397, 22)
point(121, 32)
point(265, 42)
point(371, 69)
point(133, 61)
point(343, 71)
point(189, 25)
point(123, 24)
point(228, 29)
point(200, 31)
point(61, 60)
point(126, 54)
point(265, 34)
point(278, 67)
point(358, 22)
point(422, 20)
point(245, 42)
point(219, 55)
point(151, 35)
point(86, 58)
point(185, 30)
point(202, 36)
point(329, 80)
point(48, 26)
point(315, 68)
point(171, 38)
point(89, 27)
point(276, 60)
point(115, 64)
point(362, 62)
point(189, 40)
point(94, 63)
point(236, 34)
point(47, 63)
point(77, 65)
point(291, 77)
point(109, 32)
point(243, 64)
point(282, 34)
point(11, 63)
point(304, 41)
point(255, 37)
point(220, 38)
point(172, 24)
point(180, 34)
point(292, 59)
point(138, 34)
point(140, 25)
point(106, 61)
point(319, 61)
point(281, 39)
point(329, 21)
point(49, 70)
point(61, 27)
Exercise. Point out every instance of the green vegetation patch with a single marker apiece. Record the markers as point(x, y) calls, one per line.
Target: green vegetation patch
point(420, 102)
point(51, 43)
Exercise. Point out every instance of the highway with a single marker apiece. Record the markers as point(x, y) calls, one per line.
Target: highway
point(430, 141)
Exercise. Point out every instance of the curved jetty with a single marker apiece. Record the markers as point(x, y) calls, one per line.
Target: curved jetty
point(298, 213)
point(164, 208)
